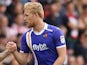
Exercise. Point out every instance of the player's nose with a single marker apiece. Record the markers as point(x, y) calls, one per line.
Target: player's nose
point(24, 18)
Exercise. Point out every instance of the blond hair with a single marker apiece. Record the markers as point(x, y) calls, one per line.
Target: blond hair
point(34, 7)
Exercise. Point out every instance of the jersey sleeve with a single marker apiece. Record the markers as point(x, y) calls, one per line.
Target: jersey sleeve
point(59, 38)
point(24, 47)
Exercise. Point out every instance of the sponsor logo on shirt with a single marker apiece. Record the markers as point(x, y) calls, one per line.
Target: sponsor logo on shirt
point(40, 47)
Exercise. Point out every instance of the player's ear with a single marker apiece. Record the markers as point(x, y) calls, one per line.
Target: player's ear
point(36, 15)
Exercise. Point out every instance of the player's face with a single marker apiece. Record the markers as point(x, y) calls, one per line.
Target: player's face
point(28, 17)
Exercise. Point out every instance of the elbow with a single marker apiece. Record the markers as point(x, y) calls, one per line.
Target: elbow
point(63, 57)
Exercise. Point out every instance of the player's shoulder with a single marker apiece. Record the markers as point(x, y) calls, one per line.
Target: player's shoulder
point(24, 35)
point(54, 28)
point(57, 32)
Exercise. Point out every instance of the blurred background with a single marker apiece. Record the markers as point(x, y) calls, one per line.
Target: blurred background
point(69, 15)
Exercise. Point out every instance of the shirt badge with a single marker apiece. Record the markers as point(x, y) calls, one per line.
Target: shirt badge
point(45, 35)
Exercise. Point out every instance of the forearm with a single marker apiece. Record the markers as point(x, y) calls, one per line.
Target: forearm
point(59, 61)
point(19, 58)
point(4, 54)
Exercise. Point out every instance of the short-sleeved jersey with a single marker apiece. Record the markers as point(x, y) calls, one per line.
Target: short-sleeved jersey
point(43, 44)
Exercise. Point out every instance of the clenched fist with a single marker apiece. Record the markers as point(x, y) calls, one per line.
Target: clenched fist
point(11, 47)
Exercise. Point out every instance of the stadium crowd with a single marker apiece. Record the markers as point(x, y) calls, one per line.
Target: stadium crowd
point(69, 15)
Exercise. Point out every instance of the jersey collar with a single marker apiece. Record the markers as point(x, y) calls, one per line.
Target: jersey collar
point(39, 33)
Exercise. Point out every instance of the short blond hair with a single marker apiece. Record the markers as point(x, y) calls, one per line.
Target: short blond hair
point(35, 7)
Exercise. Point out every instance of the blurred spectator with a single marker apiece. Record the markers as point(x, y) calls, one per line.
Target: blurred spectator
point(5, 2)
point(80, 60)
point(15, 1)
point(15, 7)
point(4, 27)
point(3, 8)
point(78, 5)
point(55, 17)
point(72, 33)
point(72, 60)
point(80, 48)
point(18, 8)
point(83, 18)
point(3, 23)
point(3, 41)
point(72, 16)
point(84, 1)
point(18, 25)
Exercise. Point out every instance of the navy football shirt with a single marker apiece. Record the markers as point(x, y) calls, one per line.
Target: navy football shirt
point(43, 44)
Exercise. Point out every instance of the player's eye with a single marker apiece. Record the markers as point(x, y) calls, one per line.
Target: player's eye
point(26, 15)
